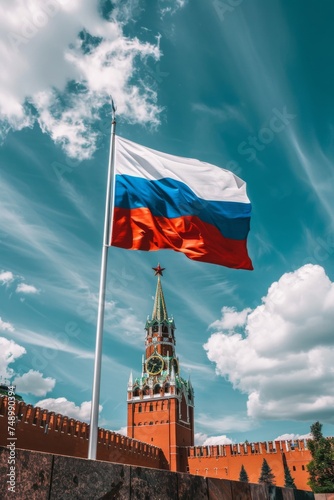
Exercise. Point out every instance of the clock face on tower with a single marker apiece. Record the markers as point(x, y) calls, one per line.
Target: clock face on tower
point(154, 364)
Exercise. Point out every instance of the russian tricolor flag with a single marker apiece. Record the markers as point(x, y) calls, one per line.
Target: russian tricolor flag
point(164, 201)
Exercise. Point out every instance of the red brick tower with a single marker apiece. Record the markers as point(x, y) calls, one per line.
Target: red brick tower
point(160, 401)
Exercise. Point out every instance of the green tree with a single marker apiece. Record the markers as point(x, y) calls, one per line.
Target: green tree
point(321, 467)
point(243, 476)
point(289, 482)
point(267, 475)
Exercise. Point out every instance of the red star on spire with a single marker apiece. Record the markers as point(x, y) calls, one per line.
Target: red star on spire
point(158, 270)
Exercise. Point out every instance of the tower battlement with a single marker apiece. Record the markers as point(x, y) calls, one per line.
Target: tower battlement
point(247, 449)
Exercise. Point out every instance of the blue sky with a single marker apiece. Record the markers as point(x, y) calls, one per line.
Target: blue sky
point(245, 85)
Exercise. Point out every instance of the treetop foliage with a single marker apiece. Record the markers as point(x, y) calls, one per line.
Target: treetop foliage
point(243, 475)
point(267, 476)
point(321, 467)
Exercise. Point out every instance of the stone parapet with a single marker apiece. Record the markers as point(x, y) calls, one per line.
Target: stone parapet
point(42, 476)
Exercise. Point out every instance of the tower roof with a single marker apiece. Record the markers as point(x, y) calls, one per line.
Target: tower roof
point(159, 313)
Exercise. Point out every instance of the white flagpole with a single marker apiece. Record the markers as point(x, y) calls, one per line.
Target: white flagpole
point(94, 415)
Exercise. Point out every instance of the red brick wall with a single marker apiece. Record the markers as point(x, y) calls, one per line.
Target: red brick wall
point(225, 461)
point(41, 430)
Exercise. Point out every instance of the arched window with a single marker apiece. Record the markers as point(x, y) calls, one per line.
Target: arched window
point(136, 392)
point(146, 390)
point(157, 389)
point(167, 388)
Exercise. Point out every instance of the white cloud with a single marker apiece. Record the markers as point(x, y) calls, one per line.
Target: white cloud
point(224, 113)
point(33, 382)
point(292, 437)
point(202, 439)
point(60, 341)
point(5, 326)
point(68, 408)
point(228, 423)
point(171, 6)
point(9, 352)
point(24, 288)
point(284, 360)
point(6, 277)
point(231, 318)
point(62, 80)
point(212, 440)
point(123, 431)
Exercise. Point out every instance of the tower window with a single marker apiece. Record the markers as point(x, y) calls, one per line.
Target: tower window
point(151, 407)
point(140, 409)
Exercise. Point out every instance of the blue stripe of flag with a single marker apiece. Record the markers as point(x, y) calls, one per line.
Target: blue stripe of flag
point(170, 198)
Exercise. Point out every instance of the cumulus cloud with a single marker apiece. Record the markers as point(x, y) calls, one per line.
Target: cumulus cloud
point(6, 277)
point(63, 60)
point(68, 408)
point(292, 437)
point(34, 383)
point(231, 318)
point(284, 357)
point(9, 352)
point(24, 288)
point(202, 439)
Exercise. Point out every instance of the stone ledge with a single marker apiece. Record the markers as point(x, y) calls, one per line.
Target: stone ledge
point(42, 476)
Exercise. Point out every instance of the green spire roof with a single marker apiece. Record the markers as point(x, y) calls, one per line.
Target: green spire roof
point(159, 313)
